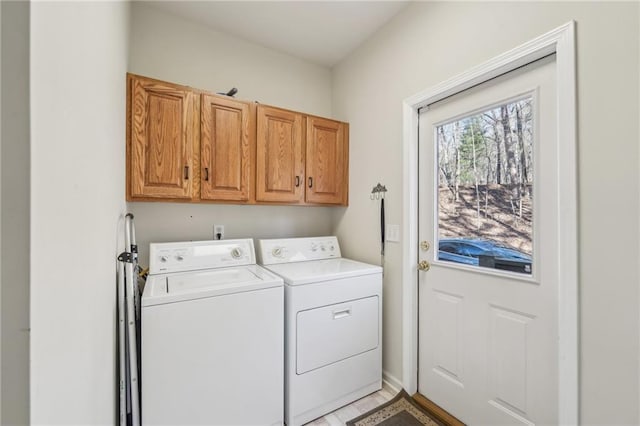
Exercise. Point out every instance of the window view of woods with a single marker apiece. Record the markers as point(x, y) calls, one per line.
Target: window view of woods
point(485, 187)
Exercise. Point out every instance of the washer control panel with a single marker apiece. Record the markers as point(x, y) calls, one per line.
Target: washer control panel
point(195, 255)
point(289, 250)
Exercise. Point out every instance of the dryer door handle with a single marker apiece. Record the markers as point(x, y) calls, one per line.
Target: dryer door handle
point(341, 313)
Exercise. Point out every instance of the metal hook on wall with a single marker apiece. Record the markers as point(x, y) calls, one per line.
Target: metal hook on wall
point(378, 192)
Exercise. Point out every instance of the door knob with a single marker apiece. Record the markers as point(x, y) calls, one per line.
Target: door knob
point(424, 266)
point(424, 245)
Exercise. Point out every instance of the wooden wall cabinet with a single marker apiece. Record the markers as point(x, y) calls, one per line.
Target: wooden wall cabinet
point(301, 159)
point(226, 147)
point(184, 144)
point(162, 131)
point(279, 156)
point(189, 145)
point(327, 161)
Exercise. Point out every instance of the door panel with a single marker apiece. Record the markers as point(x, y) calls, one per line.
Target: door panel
point(226, 147)
point(165, 140)
point(279, 157)
point(488, 182)
point(162, 138)
point(508, 338)
point(447, 355)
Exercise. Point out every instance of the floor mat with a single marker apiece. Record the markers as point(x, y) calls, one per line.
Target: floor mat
point(400, 411)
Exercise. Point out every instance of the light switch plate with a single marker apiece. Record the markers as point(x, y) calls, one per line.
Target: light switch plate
point(393, 233)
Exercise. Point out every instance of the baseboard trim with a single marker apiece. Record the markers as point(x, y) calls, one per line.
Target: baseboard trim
point(391, 381)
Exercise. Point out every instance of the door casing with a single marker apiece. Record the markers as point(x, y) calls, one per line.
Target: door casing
point(560, 41)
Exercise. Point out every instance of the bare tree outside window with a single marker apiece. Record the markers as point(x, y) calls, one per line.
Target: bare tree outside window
point(485, 185)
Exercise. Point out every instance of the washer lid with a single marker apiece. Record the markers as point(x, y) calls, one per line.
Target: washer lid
point(322, 270)
point(168, 288)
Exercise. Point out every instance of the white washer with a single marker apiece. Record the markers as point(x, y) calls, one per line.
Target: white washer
point(212, 336)
point(333, 325)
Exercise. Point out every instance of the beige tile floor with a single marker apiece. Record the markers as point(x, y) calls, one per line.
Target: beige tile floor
point(342, 415)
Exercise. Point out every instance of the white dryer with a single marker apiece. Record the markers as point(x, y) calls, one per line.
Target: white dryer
point(212, 336)
point(333, 325)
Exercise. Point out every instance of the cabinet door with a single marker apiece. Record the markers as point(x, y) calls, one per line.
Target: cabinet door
point(226, 146)
point(327, 160)
point(162, 128)
point(279, 156)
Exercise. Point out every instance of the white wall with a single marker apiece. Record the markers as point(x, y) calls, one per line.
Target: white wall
point(162, 222)
point(429, 42)
point(0, 215)
point(173, 49)
point(14, 243)
point(79, 57)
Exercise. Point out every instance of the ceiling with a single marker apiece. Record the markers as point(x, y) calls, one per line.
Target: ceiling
point(323, 32)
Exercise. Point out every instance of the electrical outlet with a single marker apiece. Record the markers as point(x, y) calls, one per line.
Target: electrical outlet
point(218, 232)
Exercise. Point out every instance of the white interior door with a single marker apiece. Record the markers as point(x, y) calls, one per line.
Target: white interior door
point(488, 305)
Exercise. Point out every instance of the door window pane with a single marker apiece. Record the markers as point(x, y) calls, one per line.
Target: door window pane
point(485, 188)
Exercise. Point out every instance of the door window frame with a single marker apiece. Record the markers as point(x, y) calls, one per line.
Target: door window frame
point(532, 277)
point(560, 41)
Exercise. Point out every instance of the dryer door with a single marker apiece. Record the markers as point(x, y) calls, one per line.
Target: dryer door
point(332, 333)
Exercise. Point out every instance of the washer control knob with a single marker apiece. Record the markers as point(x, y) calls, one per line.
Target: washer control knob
point(236, 253)
point(314, 247)
point(331, 247)
point(163, 259)
point(277, 252)
point(179, 257)
point(322, 248)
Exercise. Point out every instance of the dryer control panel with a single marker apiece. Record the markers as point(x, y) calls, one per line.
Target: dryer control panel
point(288, 250)
point(196, 255)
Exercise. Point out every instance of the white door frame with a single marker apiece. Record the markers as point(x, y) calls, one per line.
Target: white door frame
point(560, 41)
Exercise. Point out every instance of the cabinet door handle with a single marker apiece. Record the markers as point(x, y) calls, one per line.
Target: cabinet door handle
point(186, 172)
point(206, 174)
point(297, 180)
point(310, 182)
